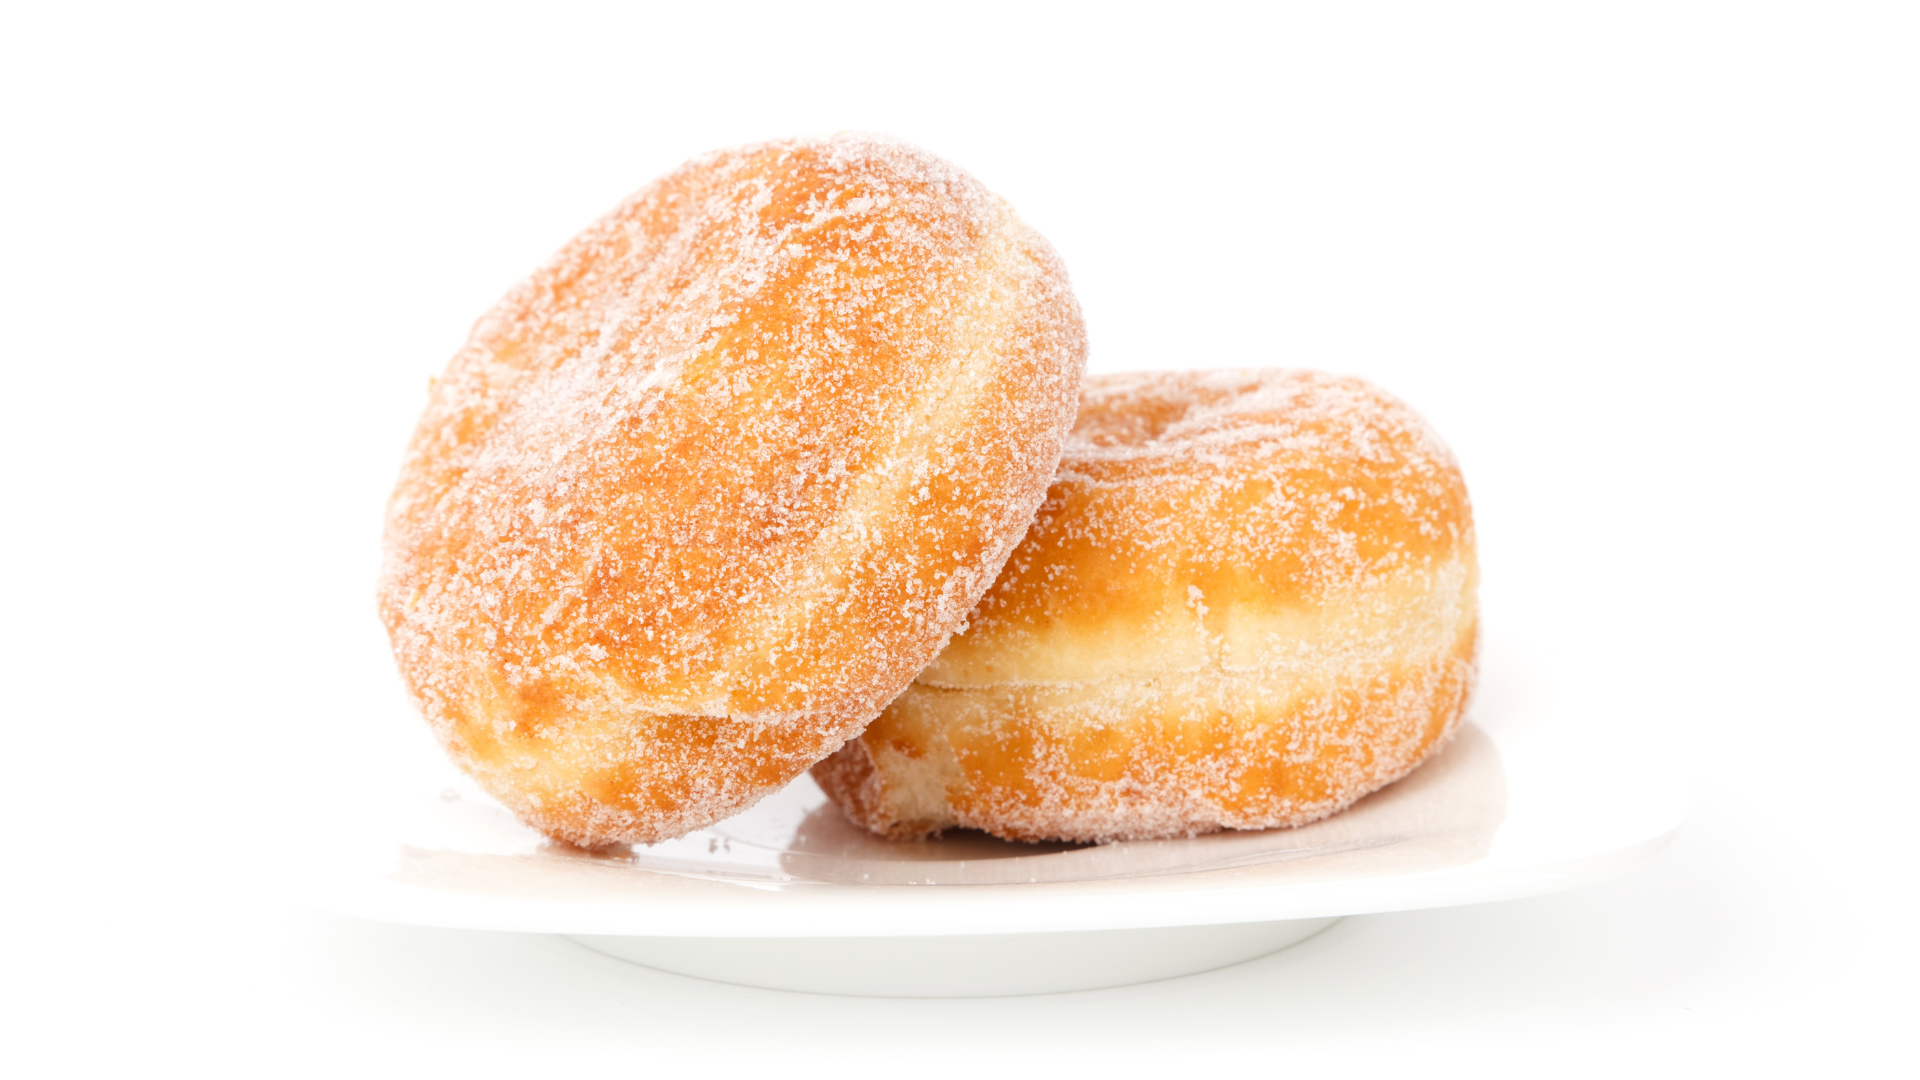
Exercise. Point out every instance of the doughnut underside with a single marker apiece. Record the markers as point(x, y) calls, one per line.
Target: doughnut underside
point(1247, 602)
point(699, 498)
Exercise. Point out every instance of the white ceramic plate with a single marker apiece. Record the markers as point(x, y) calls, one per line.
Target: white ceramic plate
point(1534, 795)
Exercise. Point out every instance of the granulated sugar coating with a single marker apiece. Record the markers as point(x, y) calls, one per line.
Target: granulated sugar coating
point(1247, 601)
point(702, 495)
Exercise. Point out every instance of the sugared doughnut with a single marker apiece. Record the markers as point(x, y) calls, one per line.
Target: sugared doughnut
point(1247, 601)
point(700, 497)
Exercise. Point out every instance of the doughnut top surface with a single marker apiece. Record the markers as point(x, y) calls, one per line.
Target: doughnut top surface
point(703, 494)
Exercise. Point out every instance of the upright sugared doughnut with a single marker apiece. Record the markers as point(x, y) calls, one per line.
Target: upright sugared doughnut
point(700, 497)
point(1248, 601)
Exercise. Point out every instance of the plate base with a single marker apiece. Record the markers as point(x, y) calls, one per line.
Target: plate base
point(962, 965)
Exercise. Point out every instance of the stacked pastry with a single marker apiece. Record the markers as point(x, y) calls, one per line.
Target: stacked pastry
point(777, 466)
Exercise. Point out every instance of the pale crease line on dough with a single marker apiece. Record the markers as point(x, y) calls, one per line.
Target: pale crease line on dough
point(819, 576)
point(1297, 684)
point(1412, 611)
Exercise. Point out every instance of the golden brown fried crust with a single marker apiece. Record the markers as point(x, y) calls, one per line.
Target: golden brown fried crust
point(1247, 601)
point(702, 495)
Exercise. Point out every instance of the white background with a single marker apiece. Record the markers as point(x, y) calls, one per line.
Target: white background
point(1652, 270)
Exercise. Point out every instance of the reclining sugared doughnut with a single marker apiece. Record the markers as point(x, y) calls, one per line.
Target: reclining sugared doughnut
point(1248, 600)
